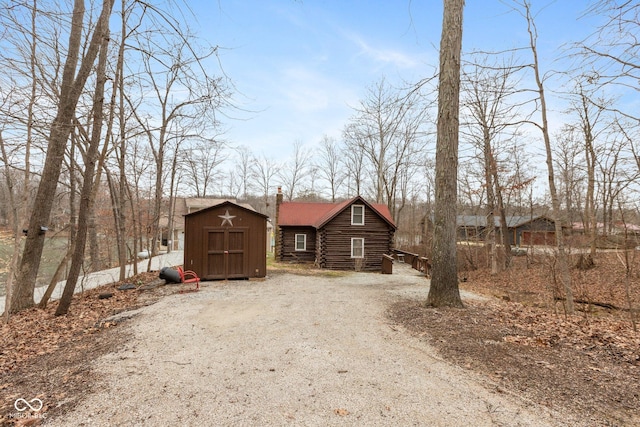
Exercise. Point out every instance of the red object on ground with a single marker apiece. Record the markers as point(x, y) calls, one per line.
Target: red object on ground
point(188, 276)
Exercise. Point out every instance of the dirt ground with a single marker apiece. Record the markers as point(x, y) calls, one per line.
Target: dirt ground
point(39, 351)
point(596, 381)
point(585, 367)
point(522, 339)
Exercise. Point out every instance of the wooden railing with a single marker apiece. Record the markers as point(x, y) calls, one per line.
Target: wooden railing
point(416, 261)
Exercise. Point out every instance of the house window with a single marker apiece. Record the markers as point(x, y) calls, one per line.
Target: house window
point(301, 242)
point(357, 247)
point(357, 215)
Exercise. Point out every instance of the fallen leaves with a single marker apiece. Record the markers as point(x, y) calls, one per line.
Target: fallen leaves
point(523, 340)
point(540, 328)
point(35, 332)
point(47, 354)
point(530, 281)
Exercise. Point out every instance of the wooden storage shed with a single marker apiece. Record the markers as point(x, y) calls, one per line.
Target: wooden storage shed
point(226, 241)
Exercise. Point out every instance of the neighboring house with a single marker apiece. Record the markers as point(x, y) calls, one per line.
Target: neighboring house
point(618, 228)
point(226, 241)
point(523, 229)
point(351, 235)
point(613, 236)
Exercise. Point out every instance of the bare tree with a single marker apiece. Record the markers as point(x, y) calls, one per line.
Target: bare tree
point(72, 84)
point(518, 177)
point(203, 160)
point(243, 170)
point(612, 52)
point(265, 169)
point(492, 117)
point(87, 195)
point(444, 289)
point(15, 220)
point(185, 96)
point(387, 130)
point(117, 111)
point(563, 263)
point(628, 261)
point(568, 156)
point(139, 164)
point(295, 170)
point(353, 160)
point(18, 199)
point(329, 165)
point(616, 169)
point(589, 114)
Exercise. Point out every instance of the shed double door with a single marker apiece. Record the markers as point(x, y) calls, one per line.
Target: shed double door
point(227, 253)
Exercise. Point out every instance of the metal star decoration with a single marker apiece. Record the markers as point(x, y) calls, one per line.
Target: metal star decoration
point(226, 218)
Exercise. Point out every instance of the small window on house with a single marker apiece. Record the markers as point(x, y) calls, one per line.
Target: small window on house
point(357, 215)
point(357, 247)
point(301, 242)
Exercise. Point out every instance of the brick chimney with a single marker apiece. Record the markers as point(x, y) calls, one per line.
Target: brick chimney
point(278, 239)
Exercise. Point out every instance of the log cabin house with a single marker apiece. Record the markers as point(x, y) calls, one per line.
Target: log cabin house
point(351, 235)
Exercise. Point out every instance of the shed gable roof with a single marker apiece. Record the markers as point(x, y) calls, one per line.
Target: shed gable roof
point(244, 206)
point(319, 214)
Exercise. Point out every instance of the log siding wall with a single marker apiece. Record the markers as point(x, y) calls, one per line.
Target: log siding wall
point(288, 251)
point(333, 247)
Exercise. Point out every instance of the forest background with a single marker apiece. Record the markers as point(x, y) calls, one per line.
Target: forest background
point(152, 105)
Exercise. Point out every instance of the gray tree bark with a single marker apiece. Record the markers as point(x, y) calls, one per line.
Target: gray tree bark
point(563, 263)
point(62, 126)
point(444, 289)
point(91, 158)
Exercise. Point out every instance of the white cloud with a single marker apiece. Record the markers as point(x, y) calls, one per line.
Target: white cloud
point(383, 56)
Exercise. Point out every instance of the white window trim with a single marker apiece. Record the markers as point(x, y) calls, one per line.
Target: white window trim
point(295, 242)
point(353, 214)
point(353, 239)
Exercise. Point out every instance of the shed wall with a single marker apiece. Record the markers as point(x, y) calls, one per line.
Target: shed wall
point(252, 229)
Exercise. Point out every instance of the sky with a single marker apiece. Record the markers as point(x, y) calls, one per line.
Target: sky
point(300, 66)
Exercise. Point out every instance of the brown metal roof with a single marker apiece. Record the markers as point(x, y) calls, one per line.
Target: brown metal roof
point(318, 214)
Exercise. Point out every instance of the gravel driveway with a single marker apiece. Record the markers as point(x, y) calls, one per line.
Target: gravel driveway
point(290, 350)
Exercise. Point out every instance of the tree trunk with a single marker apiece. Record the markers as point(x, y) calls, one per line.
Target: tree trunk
point(157, 203)
point(444, 281)
point(62, 126)
point(135, 225)
point(118, 220)
point(172, 201)
point(491, 205)
point(590, 222)
point(57, 276)
point(97, 263)
point(120, 202)
point(86, 195)
point(15, 255)
point(19, 221)
point(504, 227)
point(563, 264)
